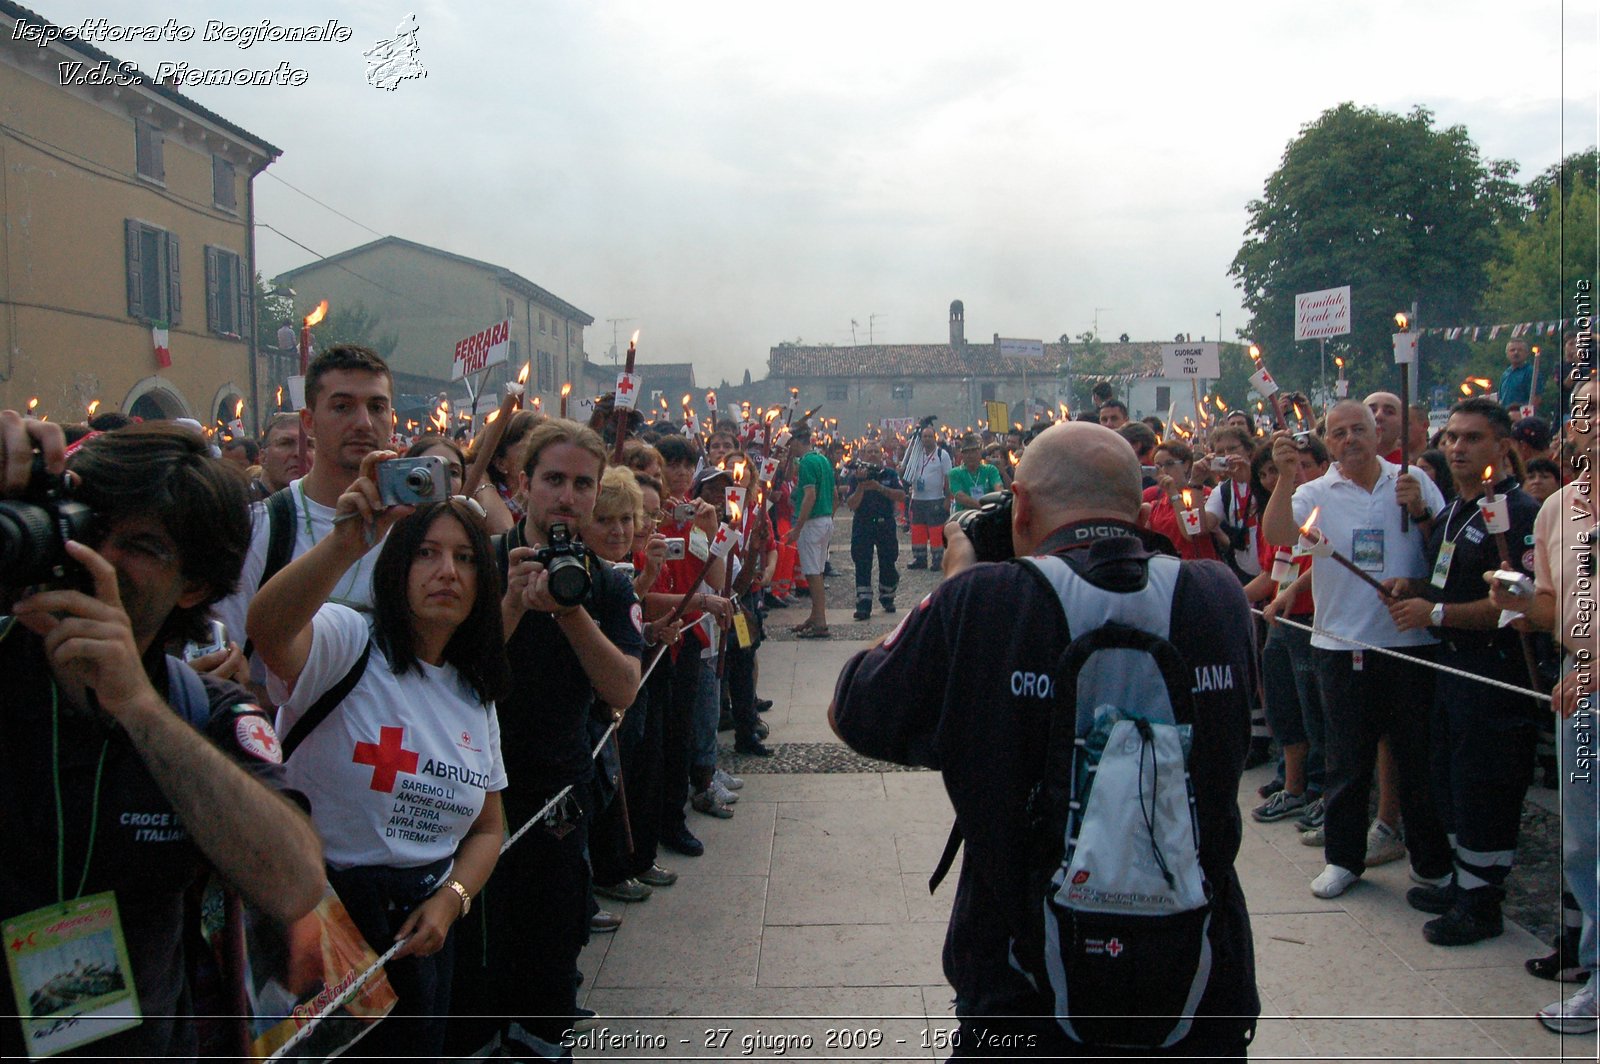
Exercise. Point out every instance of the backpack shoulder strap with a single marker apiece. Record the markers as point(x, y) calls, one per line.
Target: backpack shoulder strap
point(186, 693)
point(322, 707)
point(280, 533)
point(280, 544)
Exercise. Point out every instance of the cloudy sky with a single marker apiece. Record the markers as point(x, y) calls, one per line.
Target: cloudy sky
point(731, 175)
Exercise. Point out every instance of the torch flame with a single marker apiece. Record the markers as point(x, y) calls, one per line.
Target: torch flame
point(1255, 353)
point(238, 407)
point(1188, 499)
point(770, 414)
point(32, 404)
point(566, 389)
point(278, 399)
point(1311, 521)
point(93, 407)
point(493, 415)
point(634, 339)
point(738, 471)
point(1337, 361)
point(1222, 404)
point(794, 392)
point(538, 403)
point(733, 512)
point(1401, 321)
point(522, 378)
point(318, 314)
point(686, 400)
point(1488, 474)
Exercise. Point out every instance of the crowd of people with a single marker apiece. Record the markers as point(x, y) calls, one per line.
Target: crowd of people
point(441, 671)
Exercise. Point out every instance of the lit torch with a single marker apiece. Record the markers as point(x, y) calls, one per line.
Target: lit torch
point(94, 406)
point(566, 390)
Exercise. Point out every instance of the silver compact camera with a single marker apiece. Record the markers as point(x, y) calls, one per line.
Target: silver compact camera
point(677, 548)
point(1513, 583)
point(413, 481)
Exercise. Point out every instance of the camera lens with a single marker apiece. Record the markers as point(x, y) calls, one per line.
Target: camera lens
point(420, 481)
point(569, 581)
point(27, 542)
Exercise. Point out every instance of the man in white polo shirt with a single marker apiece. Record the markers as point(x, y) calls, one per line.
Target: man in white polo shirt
point(1365, 694)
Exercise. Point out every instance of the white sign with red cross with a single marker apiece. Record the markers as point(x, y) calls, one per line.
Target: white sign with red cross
point(723, 541)
point(627, 390)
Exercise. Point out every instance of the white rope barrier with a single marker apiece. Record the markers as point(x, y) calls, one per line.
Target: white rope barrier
point(350, 991)
point(1513, 688)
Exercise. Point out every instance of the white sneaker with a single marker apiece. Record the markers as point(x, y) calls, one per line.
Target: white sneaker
point(1312, 837)
point(1579, 1014)
point(1383, 844)
point(721, 793)
point(727, 779)
point(1333, 881)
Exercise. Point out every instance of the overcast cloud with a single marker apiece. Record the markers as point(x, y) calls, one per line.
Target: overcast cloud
point(733, 175)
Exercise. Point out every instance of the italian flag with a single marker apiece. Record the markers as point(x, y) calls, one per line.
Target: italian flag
point(158, 338)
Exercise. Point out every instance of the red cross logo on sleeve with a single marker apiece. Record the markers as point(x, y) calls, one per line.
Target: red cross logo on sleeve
point(388, 757)
point(264, 737)
point(625, 385)
point(1114, 947)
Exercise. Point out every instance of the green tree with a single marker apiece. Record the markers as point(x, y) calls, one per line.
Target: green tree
point(272, 310)
point(353, 324)
point(1388, 204)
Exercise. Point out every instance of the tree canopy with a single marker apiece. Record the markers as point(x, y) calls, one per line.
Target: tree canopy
point(1388, 204)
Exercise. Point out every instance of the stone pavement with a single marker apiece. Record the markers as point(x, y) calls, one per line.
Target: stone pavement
point(809, 918)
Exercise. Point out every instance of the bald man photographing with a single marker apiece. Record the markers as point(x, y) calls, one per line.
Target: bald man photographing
point(967, 685)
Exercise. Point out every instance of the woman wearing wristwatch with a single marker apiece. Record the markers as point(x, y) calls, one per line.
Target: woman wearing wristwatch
point(389, 729)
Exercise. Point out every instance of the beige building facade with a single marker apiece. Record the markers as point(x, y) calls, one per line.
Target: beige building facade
point(431, 299)
point(126, 205)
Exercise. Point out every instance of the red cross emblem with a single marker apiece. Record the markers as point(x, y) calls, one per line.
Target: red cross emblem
point(465, 737)
point(388, 757)
point(263, 736)
point(722, 536)
point(1114, 947)
point(624, 384)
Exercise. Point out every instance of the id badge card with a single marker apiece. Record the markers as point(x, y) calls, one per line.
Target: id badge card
point(741, 630)
point(70, 972)
point(1366, 549)
point(1441, 568)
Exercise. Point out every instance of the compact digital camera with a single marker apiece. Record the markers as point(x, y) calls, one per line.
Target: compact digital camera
point(413, 481)
point(677, 548)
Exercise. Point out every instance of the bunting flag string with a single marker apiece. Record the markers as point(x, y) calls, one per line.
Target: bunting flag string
point(1474, 333)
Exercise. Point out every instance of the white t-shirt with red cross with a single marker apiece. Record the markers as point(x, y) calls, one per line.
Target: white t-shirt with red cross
point(398, 772)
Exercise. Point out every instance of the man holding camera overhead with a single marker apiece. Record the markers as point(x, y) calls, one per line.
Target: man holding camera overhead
point(155, 771)
point(574, 638)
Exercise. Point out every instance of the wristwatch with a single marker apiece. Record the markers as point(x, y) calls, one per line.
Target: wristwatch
point(461, 892)
point(1436, 615)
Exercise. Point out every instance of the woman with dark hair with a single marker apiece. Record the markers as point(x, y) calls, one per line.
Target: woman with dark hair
point(442, 447)
point(1174, 462)
point(390, 730)
point(1434, 463)
point(498, 495)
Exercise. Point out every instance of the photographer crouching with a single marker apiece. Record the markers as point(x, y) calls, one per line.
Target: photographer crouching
point(967, 685)
point(155, 771)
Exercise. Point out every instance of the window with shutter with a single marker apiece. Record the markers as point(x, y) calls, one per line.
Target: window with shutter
point(148, 144)
point(152, 267)
point(838, 393)
point(222, 185)
point(227, 293)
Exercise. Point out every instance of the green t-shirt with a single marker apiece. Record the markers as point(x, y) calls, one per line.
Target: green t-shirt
point(976, 485)
point(816, 470)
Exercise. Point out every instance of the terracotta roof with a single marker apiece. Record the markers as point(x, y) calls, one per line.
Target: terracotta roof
point(941, 360)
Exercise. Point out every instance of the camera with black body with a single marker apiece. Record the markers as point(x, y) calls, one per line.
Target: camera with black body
point(34, 530)
point(566, 559)
point(873, 473)
point(988, 527)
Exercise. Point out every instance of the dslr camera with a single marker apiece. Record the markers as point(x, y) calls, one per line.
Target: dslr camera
point(989, 527)
point(34, 530)
point(567, 561)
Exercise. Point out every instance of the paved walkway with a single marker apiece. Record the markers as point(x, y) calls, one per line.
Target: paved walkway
point(809, 916)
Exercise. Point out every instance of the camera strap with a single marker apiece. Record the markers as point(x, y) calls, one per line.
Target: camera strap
point(324, 706)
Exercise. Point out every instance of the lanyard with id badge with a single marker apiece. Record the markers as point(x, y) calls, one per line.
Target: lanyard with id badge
point(1447, 547)
point(68, 962)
